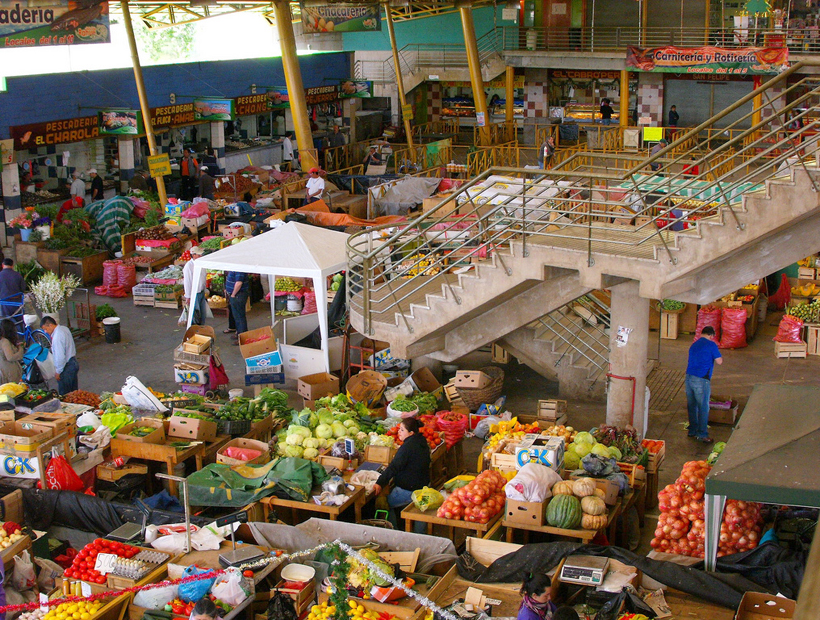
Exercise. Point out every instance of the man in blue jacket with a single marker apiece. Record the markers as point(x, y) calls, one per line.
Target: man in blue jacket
point(703, 355)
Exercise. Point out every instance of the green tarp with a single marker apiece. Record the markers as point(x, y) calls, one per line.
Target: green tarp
point(223, 485)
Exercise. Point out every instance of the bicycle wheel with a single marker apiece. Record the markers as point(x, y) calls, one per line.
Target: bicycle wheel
point(41, 338)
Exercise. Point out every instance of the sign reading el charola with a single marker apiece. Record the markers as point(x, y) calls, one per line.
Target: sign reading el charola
point(708, 60)
point(53, 22)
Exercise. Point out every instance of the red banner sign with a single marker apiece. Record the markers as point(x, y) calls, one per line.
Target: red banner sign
point(54, 132)
point(708, 60)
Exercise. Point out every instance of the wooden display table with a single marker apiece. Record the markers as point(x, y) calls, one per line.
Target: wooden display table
point(584, 536)
point(161, 453)
point(356, 498)
point(411, 514)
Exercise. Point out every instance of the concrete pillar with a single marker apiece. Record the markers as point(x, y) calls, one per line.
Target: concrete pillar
point(125, 148)
point(349, 109)
point(218, 143)
point(12, 203)
point(474, 62)
point(626, 395)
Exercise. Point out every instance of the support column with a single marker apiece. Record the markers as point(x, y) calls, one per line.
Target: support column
point(757, 102)
point(476, 79)
point(408, 130)
point(12, 202)
point(296, 89)
point(143, 97)
point(218, 143)
point(509, 109)
point(624, 108)
point(627, 364)
point(125, 151)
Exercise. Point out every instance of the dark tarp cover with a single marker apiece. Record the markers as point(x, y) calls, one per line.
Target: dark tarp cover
point(769, 568)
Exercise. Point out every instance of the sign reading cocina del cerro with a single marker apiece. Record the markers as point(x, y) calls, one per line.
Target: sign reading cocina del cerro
point(708, 60)
point(54, 132)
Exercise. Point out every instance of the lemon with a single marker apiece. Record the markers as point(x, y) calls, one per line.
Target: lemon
point(352, 604)
point(85, 616)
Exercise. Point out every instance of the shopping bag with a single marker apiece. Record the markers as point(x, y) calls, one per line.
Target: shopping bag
point(183, 318)
point(427, 499)
point(23, 577)
point(140, 397)
point(60, 475)
point(47, 369)
point(217, 376)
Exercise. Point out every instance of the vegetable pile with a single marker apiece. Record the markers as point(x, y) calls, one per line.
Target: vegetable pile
point(82, 397)
point(478, 501)
point(334, 419)
point(681, 526)
point(577, 503)
point(428, 431)
point(287, 285)
point(607, 442)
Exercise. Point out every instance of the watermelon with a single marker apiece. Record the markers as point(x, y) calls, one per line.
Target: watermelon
point(564, 511)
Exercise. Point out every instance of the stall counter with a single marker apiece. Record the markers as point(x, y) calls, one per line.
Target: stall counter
point(265, 155)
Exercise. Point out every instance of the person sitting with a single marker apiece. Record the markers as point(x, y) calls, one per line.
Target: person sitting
point(536, 603)
point(372, 158)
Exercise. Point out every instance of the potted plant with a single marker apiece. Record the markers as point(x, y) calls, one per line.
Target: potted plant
point(51, 292)
point(24, 223)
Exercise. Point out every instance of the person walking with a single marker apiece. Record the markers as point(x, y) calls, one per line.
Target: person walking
point(210, 161)
point(11, 352)
point(703, 355)
point(207, 184)
point(12, 288)
point(97, 192)
point(287, 151)
point(77, 189)
point(237, 289)
point(189, 171)
point(194, 292)
point(65, 355)
point(656, 165)
point(545, 153)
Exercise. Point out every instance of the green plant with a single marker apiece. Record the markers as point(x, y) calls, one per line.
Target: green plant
point(35, 236)
point(105, 311)
point(49, 211)
point(50, 292)
point(31, 272)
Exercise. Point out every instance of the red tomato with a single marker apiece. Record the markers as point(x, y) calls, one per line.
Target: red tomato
point(68, 572)
point(248, 573)
point(84, 576)
point(99, 579)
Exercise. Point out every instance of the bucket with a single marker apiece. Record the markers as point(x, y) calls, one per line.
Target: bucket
point(111, 325)
point(235, 393)
point(280, 303)
point(294, 303)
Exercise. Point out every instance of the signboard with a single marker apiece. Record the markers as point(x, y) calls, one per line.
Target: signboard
point(584, 74)
point(26, 467)
point(510, 15)
point(53, 22)
point(253, 104)
point(159, 165)
point(706, 60)
point(54, 132)
point(321, 94)
point(351, 89)
point(214, 109)
point(518, 82)
point(278, 98)
point(652, 134)
point(173, 115)
point(6, 153)
point(119, 121)
point(341, 18)
point(407, 111)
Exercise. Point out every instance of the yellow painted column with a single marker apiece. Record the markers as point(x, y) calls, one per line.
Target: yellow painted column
point(509, 110)
point(143, 97)
point(757, 102)
point(623, 112)
point(293, 79)
point(644, 19)
point(408, 130)
point(476, 79)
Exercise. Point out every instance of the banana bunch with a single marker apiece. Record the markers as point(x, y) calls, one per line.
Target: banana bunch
point(288, 285)
point(808, 313)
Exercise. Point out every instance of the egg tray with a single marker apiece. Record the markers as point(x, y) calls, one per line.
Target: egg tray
point(120, 571)
point(151, 557)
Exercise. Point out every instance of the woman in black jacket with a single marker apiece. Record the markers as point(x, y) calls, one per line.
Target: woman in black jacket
point(409, 469)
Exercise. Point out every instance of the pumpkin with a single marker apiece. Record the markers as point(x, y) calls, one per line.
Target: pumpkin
point(583, 487)
point(564, 487)
point(593, 522)
point(592, 505)
point(564, 511)
point(600, 493)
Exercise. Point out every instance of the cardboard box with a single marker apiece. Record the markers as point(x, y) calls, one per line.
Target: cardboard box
point(379, 454)
point(428, 204)
point(472, 379)
point(758, 606)
point(314, 387)
point(548, 451)
point(197, 344)
point(723, 416)
point(610, 488)
point(265, 364)
point(191, 374)
point(366, 387)
point(193, 223)
point(56, 422)
point(265, 379)
point(157, 436)
point(424, 380)
point(551, 410)
point(199, 390)
point(259, 347)
point(13, 437)
point(241, 442)
point(192, 429)
point(526, 513)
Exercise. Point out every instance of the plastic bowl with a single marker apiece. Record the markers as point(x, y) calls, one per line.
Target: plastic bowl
point(298, 572)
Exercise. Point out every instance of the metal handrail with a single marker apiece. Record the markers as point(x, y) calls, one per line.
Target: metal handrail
point(577, 204)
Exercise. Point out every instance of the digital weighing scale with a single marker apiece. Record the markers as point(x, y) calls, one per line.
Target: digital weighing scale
point(585, 570)
point(244, 554)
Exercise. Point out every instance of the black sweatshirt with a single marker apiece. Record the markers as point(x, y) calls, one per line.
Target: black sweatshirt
point(410, 468)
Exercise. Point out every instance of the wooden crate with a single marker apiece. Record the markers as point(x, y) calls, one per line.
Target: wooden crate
point(551, 410)
point(500, 356)
point(88, 269)
point(52, 260)
point(172, 301)
point(25, 251)
point(669, 325)
point(813, 337)
point(302, 599)
point(635, 473)
point(807, 273)
point(656, 459)
point(790, 349)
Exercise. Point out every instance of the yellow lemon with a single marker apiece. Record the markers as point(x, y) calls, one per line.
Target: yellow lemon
point(352, 604)
point(85, 616)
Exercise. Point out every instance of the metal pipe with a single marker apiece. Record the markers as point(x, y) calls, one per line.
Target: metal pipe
point(143, 97)
point(624, 107)
point(474, 62)
point(296, 89)
point(408, 130)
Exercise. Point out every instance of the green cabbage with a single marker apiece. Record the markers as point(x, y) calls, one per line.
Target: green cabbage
point(324, 431)
point(349, 422)
point(294, 451)
point(324, 415)
point(571, 460)
point(294, 440)
point(615, 453)
point(310, 453)
point(581, 448)
point(339, 429)
point(585, 437)
point(295, 429)
point(281, 447)
point(601, 450)
point(312, 442)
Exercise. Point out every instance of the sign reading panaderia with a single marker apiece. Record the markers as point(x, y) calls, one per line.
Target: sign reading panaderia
point(54, 22)
point(708, 60)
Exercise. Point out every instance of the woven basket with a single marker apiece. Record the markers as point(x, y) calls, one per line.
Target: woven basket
point(474, 398)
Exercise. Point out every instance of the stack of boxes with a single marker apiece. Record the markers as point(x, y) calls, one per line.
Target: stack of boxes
point(192, 359)
point(263, 362)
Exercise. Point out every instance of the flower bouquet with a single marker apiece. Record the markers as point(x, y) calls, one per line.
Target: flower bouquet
point(50, 292)
point(25, 222)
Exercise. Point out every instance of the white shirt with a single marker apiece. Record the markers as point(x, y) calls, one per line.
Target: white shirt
point(315, 184)
point(77, 188)
point(189, 289)
point(287, 149)
point(62, 347)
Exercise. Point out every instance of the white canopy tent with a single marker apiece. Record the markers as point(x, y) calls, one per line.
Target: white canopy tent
point(294, 250)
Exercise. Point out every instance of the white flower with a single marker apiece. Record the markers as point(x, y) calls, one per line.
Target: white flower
point(50, 292)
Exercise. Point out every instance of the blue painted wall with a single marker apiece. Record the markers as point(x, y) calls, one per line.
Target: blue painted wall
point(43, 98)
point(439, 29)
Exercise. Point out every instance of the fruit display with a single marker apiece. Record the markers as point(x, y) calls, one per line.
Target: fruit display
point(806, 290)
point(681, 527)
point(566, 432)
point(428, 431)
point(808, 313)
point(10, 533)
point(564, 511)
point(253, 409)
point(506, 435)
point(577, 503)
point(35, 395)
point(287, 285)
point(82, 567)
point(81, 610)
point(82, 397)
point(478, 501)
point(326, 611)
point(172, 272)
point(653, 445)
point(418, 265)
point(154, 233)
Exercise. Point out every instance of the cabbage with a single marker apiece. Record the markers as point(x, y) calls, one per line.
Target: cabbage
point(323, 442)
point(325, 416)
point(324, 431)
point(585, 437)
point(340, 401)
point(601, 450)
point(295, 429)
point(339, 429)
point(349, 422)
point(615, 453)
point(581, 448)
point(294, 440)
point(621, 479)
point(719, 446)
point(352, 430)
point(294, 451)
point(310, 453)
point(281, 447)
point(311, 442)
point(571, 460)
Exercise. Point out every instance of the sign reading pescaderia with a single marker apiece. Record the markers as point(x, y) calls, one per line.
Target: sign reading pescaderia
point(54, 22)
point(251, 104)
point(708, 60)
point(54, 132)
point(321, 94)
point(173, 115)
point(341, 18)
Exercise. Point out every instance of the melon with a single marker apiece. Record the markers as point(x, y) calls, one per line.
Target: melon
point(564, 511)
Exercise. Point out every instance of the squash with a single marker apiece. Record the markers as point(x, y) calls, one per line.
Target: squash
point(583, 487)
point(600, 493)
point(564, 511)
point(592, 505)
point(593, 522)
point(564, 487)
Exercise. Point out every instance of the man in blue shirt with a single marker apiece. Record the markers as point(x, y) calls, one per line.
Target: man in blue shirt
point(703, 355)
point(65, 355)
point(237, 288)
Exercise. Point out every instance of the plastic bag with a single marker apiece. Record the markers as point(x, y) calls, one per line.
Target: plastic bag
point(427, 499)
point(47, 369)
point(482, 429)
point(100, 438)
point(532, 483)
point(183, 318)
point(115, 421)
point(789, 329)
point(242, 454)
point(783, 296)
point(281, 607)
point(89, 418)
point(140, 397)
point(454, 426)
point(732, 328)
point(23, 577)
point(229, 587)
point(49, 571)
point(60, 475)
point(708, 315)
point(194, 590)
point(156, 598)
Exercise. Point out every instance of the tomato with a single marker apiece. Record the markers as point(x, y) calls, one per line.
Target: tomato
point(84, 576)
point(248, 574)
point(100, 579)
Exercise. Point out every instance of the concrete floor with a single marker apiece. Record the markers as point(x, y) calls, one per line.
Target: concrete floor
point(149, 336)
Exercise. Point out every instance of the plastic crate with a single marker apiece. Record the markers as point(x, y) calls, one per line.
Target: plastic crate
point(234, 427)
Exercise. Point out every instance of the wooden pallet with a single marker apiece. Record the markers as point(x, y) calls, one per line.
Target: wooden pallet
point(790, 349)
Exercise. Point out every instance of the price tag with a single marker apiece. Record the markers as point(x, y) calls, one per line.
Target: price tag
point(105, 563)
point(350, 446)
point(43, 601)
point(85, 588)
